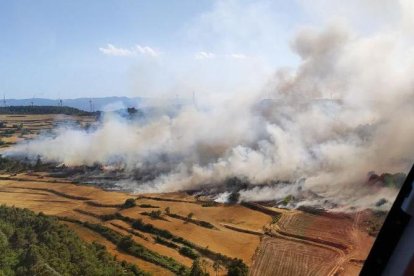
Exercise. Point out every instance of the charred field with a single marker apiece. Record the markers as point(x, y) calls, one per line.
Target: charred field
point(269, 236)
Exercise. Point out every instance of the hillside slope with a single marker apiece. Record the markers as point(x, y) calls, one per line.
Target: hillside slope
point(33, 244)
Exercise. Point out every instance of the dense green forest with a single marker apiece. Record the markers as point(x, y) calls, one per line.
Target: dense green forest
point(35, 244)
point(37, 109)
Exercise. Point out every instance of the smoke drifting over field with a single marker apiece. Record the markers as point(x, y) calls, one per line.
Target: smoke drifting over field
point(280, 131)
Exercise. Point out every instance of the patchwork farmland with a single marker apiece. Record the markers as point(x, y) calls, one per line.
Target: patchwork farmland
point(172, 228)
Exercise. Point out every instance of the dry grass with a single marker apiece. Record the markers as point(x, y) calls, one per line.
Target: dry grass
point(223, 240)
point(91, 236)
point(234, 214)
point(272, 257)
point(26, 194)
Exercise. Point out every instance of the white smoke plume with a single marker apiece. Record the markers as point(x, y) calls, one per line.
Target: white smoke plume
point(346, 110)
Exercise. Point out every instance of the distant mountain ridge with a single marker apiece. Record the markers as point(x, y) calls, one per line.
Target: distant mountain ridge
point(86, 104)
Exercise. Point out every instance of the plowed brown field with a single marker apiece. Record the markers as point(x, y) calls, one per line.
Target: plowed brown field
point(337, 231)
point(279, 256)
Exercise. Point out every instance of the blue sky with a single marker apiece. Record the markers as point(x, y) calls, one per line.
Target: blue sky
point(50, 48)
point(69, 49)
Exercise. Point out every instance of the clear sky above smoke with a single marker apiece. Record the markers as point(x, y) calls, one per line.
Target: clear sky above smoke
point(66, 49)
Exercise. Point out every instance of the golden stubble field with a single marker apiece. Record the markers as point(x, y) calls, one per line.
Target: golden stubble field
point(50, 198)
point(297, 243)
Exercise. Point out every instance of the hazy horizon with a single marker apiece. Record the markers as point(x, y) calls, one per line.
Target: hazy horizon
point(152, 49)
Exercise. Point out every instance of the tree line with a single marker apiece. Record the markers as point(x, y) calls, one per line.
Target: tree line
point(44, 109)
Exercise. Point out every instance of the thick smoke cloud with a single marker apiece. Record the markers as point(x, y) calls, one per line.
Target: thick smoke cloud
point(318, 129)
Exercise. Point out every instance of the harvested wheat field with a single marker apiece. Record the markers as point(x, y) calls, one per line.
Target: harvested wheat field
point(298, 244)
point(234, 231)
point(89, 204)
point(325, 244)
point(280, 256)
point(225, 241)
point(91, 236)
point(319, 228)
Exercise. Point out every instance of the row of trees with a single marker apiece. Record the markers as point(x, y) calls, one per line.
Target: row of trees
point(129, 246)
point(235, 268)
point(43, 109)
